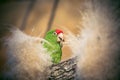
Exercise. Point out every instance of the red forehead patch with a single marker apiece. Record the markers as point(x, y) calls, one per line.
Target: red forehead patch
point(58, 31)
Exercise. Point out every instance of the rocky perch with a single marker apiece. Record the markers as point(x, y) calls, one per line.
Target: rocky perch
point(65, 70)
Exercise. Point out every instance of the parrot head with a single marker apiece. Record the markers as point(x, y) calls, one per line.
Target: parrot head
point(55, 36)
point(60, 37)
point(55, 39)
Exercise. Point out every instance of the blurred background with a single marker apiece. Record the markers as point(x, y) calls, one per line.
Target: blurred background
point(36, 17)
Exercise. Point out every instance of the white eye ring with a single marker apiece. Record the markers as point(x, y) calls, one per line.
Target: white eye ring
point(55, 33)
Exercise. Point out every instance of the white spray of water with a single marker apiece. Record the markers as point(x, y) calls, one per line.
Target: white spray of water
point(27, 59)
point(98, 45)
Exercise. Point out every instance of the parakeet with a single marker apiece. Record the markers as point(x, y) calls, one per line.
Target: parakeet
point(53, 45)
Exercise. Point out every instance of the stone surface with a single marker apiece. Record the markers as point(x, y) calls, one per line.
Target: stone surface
point(65, 70)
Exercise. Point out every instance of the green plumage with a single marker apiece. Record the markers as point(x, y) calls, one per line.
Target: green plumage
point(54, 48)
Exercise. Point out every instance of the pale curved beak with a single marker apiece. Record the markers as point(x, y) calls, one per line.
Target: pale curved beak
point(60, 37)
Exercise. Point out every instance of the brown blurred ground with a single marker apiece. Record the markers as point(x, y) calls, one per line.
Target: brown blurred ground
point(35, 22)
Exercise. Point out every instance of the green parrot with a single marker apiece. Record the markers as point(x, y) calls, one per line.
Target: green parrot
point(53, 44)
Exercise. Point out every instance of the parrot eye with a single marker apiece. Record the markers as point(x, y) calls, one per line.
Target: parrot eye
point(55, 33)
